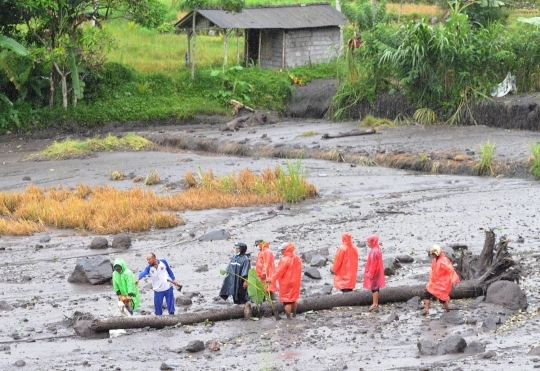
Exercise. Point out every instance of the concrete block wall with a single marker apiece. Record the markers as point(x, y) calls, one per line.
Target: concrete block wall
point(272, 39)
point(314, 45)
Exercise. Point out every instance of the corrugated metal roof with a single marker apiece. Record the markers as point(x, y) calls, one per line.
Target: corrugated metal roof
point(282, 17)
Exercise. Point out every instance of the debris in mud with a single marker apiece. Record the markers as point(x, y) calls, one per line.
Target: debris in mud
point(352, 133)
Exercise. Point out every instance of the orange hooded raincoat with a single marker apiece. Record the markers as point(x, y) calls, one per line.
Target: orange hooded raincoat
point(289, 275)
point(442, 277)
point(345, 265)
point(266, 266)
point(374, 271)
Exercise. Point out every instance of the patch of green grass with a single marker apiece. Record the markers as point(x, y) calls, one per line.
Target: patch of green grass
point(374, 122)
point(425, 116)
point(308, 133)
point(535, 168)
point(485, 165)
point(75, 147)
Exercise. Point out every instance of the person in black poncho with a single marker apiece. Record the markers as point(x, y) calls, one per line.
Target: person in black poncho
point(235, 282)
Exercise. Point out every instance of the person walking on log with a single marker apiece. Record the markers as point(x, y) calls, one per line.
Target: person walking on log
point(266, 266)
point(235, 282)
point(162, 280)
point(374, 271)
point(124, 286)
point(289, 276)
point(345, 267)
point(441, 280)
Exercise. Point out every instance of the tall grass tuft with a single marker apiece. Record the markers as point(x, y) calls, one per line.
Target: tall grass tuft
point(374, 122)
point(535, 168)
point(425, 116)
point(485, 165)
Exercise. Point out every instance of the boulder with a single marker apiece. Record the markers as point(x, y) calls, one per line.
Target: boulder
point(490, 323)
point(121, 241)
point(183, 300)
point(45, 239)
point(169, 364)
point(5, 306)
point(83, 329)
point(318, 261)
point(313, 273)
point(99, 243)
point(427, 347)
point(308, 255)
point(218, 234)
point(95, 270)
point(534, 351)
point(213, 345)
point(195, 346)
point(452, 344)
point(414, 301)
point(405, 258)
point(475, 347)
point(202, 268)
point(319, 290)
point(452, 318)
point(391, 265)
point(507, 294)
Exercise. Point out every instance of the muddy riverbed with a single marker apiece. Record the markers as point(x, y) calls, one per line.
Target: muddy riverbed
point(38, 304)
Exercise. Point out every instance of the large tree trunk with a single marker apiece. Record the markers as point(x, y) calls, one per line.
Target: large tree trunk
point(467, 289)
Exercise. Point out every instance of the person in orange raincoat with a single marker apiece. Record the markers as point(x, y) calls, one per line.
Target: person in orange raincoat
point(266, 266)
point(289, 275)
point(442, 278)
point(345, 265)
point(374, 271)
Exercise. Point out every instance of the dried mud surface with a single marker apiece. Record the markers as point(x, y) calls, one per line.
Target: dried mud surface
point(443, 209)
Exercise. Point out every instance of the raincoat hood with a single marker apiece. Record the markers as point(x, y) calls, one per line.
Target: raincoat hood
point(288, 250)
point(346, 239)
point(373, 241)
point(120, 262)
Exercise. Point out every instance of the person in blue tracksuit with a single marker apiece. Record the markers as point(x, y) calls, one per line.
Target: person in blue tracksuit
point(162, 280)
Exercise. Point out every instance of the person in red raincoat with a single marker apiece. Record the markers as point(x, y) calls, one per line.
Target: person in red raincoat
point(266, 266)
point(288, 276)
point(374, 271)
point(345, 265)
point(442, 278)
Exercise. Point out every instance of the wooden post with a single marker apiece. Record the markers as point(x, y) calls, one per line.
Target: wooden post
point(194, 42)
point(237, 48)
point(188, 61)
point(246, 47)
point(260, 42)
point(283, 51)
point(224, 47)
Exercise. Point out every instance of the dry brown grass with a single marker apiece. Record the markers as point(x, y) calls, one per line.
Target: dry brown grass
point(108, 210)
point(423, 9)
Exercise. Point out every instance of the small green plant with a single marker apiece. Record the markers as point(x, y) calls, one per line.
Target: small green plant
point(485, 165)
point(152, 178)
point(425, 116)
point(145, 87)
point(374, 122)
point(132, 26)
point(309, 133)
point(535, 168)
point(117, 175)
point(293, 187)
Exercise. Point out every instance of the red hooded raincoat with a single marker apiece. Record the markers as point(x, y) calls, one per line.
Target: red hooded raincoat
point(374, 271)
point(265, 266)
point(345, 265)
point(442, 277)
point(289, 275)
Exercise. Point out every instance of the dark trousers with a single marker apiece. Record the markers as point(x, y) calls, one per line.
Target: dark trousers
point(158, 301)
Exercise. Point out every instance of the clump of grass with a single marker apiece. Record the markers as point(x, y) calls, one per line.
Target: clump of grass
point(70, 148)
point(485, 165)
point(152, 178)
point(309, 133)
point(138, 179)
point(117, 175)
point(374, 122)
point(425, 116)
point(108, 210)
point(535, 168)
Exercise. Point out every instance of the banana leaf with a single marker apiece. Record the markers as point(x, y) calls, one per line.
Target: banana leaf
point(75, 74)
point(255, 287)
point(9, 43)
point(533, 20)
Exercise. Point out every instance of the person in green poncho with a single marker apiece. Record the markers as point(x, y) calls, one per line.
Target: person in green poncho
point(124, 285)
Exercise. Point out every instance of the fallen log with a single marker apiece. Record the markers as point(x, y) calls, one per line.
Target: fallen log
point(350, 134)
point(466, 289)
point(235, 124)
point(238, 106)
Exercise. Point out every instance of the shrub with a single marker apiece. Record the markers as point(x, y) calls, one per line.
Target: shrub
point(535, 168)
point(485, 165)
